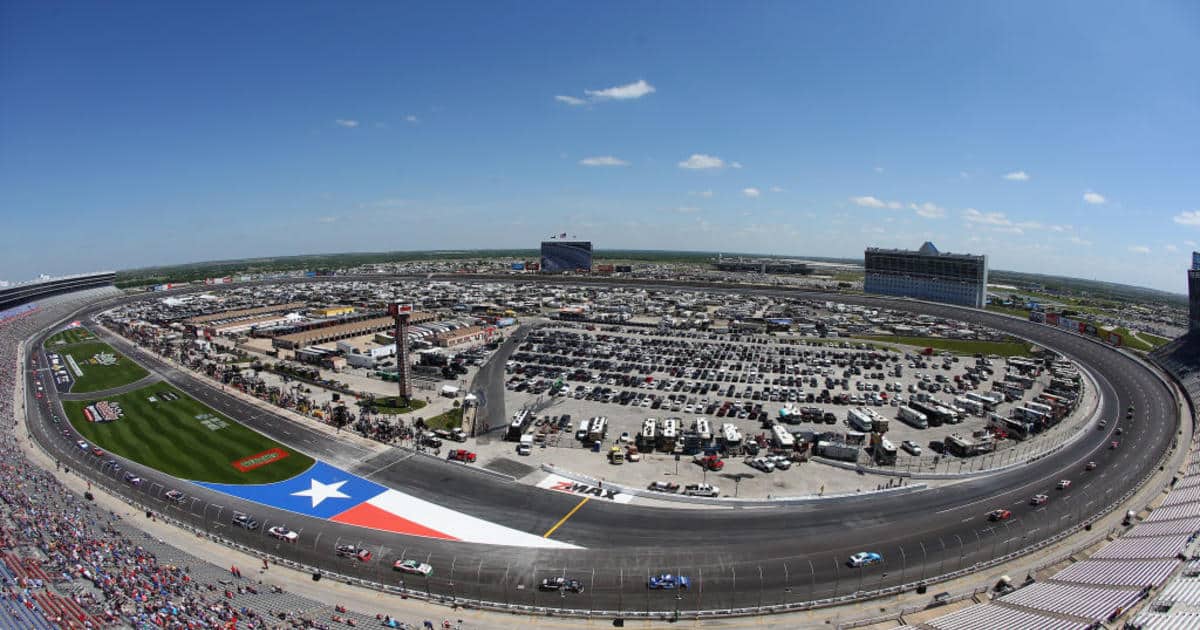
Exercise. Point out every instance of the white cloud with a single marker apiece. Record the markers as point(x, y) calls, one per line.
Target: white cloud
point(327, 220)
point(868, 202)
point(1139, 249)
point(1172, 248)
point(412, 119)
point(776, 189)
point(637, 89)
point(894, 205)
point(1188, 217)
point(1017, 176)
point(1190, 243)
point(707, 194)
point(603, 160)
point(687, 210)
point(699, 161)
point(735, 165)
point(349, 123)
point(1094, 197)
point(997, 219)
point(928, 210)
point(752, 193)
point(1079, 241)
point(570, 100)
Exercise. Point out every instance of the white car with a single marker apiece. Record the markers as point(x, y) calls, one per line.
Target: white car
point(864, 558)
point(283, 533)
point(175, 496)
point(782, 462)
point(762, 464)
point(413, 567)
point(912, 447)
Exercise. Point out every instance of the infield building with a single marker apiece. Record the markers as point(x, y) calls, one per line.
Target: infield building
point(927, 274)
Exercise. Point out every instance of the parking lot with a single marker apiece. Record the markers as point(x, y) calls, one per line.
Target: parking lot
point(753, 382)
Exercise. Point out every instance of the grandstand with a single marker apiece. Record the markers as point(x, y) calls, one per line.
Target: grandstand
point(66, 563)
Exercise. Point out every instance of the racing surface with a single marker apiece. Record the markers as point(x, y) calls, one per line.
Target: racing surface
point(735, 558)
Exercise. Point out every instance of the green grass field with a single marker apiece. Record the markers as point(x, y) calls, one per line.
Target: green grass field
point(95, 376)
point(69, 336)
point(390, 405)
point(450, 420)
point(184, 438)
point(961, 346)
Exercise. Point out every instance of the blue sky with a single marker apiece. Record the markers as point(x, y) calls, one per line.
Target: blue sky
point(1060, 138)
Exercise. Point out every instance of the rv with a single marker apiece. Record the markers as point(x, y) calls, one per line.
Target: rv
point(913, 418)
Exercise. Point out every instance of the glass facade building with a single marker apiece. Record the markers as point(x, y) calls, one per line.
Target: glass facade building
point(1194, 300)
point(560, 256)
point(927, 274)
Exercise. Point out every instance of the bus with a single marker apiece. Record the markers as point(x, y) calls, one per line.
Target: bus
point(648, 437)
point(782, 438)
point(859, 419)
point(669, 434)
point(520, 422)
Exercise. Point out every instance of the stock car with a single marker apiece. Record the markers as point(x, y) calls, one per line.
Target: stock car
point(244, 521)
point(350, 551)
point(1039, 499)
point(97, 452)
point(864, 559)
point(1064, 484)
point(83, 446)
point(175, 496)
point(666, 581)
point(132, 479)
point(283, 533)
point(999, 515)
point(561, 584)
point(413, 567)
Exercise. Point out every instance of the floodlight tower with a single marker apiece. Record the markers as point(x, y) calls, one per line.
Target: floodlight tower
point(402, 313)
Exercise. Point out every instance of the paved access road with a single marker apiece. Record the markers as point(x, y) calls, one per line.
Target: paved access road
point(736, 558)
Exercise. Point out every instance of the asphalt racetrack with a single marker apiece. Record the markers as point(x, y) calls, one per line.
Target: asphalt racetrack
point(736, 558)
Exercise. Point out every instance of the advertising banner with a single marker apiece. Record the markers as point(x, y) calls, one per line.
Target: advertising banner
point(1052, 319)
point(1090, 329)
point(1114, 339)
point(518, 266)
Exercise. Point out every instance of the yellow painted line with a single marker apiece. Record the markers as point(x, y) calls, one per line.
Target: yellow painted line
point(564, 519)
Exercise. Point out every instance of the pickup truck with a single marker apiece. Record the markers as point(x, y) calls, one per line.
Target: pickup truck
point(701, 490)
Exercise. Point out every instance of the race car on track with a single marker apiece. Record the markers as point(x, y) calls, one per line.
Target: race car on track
point(175, 496)
point(1039, 499)
point(560, 584)
point(461, 455)
point(97, 452)
point(1064, 484)
point(864, 559)
point(350, 551)
point(83, 446)
point(283, 533)
point(1090, 466)
point(666, 581)
point(244, 521)
point(414, 567)
point(1114, 445)
point(132, 479)
point(999, 515)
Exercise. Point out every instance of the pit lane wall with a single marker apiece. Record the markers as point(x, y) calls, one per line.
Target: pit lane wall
point(612, 490)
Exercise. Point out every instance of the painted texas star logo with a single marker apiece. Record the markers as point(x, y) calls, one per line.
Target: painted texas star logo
point(318, 491)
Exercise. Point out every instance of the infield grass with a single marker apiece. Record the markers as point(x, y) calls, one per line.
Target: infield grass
point(96, 376)
point(69, 336)
point(184, 438)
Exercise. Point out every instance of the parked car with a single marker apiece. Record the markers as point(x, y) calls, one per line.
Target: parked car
point(701, 490)
point(413, 567)
point(461, 455)
point(912, 447)
point(664, 486)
